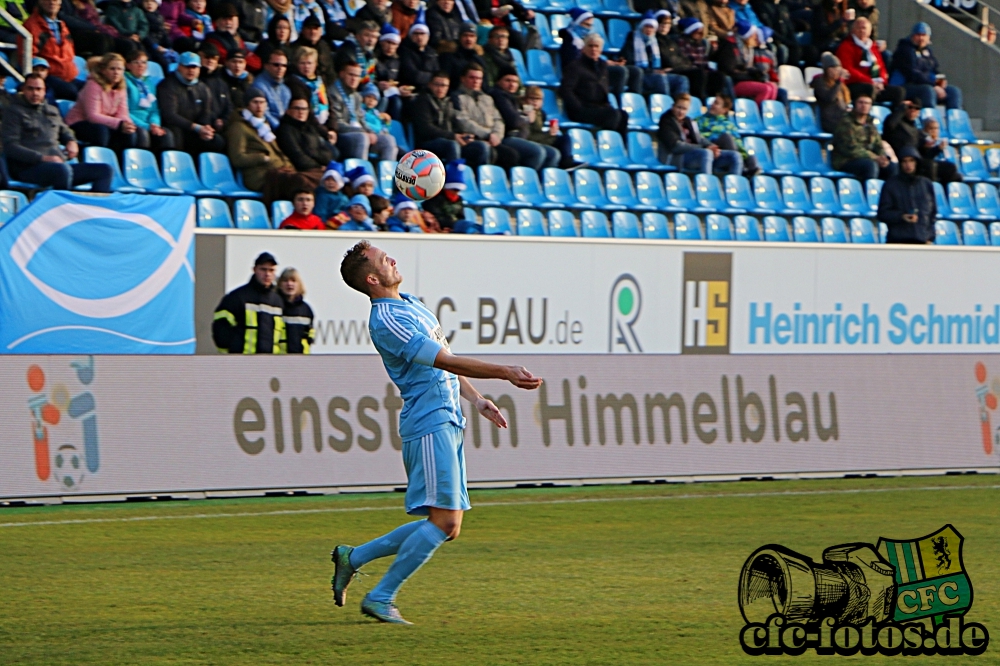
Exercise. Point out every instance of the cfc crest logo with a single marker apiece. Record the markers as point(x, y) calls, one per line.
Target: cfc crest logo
point(64, 422)
point(707, 294)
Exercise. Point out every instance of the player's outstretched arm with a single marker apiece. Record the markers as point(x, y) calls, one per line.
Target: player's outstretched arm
point(466, 366)
point(483, 405)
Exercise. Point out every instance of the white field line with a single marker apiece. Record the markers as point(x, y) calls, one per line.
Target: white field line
point(289, 512)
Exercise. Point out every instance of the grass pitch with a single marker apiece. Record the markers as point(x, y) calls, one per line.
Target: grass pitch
point(593, 575)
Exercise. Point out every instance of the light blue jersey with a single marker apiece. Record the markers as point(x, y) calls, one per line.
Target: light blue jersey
point(408, 337)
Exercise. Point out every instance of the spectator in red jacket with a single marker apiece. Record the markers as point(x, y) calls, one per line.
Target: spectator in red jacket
point(100, 116)
point(50, 39)
point(867, 75)
point(303, 218)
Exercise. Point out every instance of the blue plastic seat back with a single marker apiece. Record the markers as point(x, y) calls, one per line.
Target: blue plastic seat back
point(635, 104)
point(625, 225)
point(496, 222)
point(471, 193)
point(960, 127)
point(680, 194)
point(659, 103)
point(805, 230)
point(493, 184)
point(251, 214)
point(747, 116)
point(214, 214)
point(141, 169)
point(719, 228)
point(946, 233)
point(747, 228)
point(696, 110)
point(559, 21)
point(522, 70)
point(541, 68)
point(640, 149)
point(649, 190)
point(598, 27)
point(525, 185)
point(561, 224)
point(557, 186)
point(18, 199)
point(834, 230)
point(852, 197)
point(594, 224)
point(987, 202)
point(64, 105)
point(993, 160)
point(280, 210)
point(544, 29)
point(530, 222)
point(154, 71)
point(776, 229)
point(932, 112)
point(878, 116)
point(611, 148)
point(708, 191)
point(216, 172)
point(352, 163)
point(941, 199)
point(590, 5)
point(995, 234)
point(620, 189)
point(589, 188)
point(972, 163)
point(81, 68)
point(739, 194)
point(654, 226)
point(8, 207)
point(617, 32)
point(784, 156)
point(687, 227)
point(101, 155)
point(960, 199)
point(823, 193)
point(775, 118)
point(386, 181)
point(470, 214)
point(766, 193)
point(804, 119)
point(550, 105)
point(620, 6)
point(811, 156)
point(757, 147)
point(862, 231)
point(583, 147)
point(873, 192)
point(179, 172)
point(974, 233)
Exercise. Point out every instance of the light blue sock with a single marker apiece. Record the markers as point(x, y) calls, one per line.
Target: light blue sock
point(383, 546)
point(416, 550)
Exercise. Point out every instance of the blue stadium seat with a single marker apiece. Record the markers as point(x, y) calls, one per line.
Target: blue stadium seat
point(823, 193)
point(962, 203)
point(471, 194)
point(19, 199)
point(687, 227)
point(680, 194)
point(767, 194)
point(708, 191)
point(833, 230)
point(593, 6)
point(612, 150)
point(469, 214)
point(385, 184)
point(747, 117)
point(64, 105)
point(975, 233)
point(621, 191)
point(561, 224)
point(696, 110)
point(739, 194)
point(617, 32)
point(179, 173)
point(551, 105)
point(494, 186)
point(987, 202)
point(747, 228)
point(776, 120)
point(251, 214)
point(590, 190)
point(620, 7)
point(141, 171)
point(638, 114)
point(216, 173)
point(625, 225)
point(559, 17)
point(804, 230)
point(804, 121)
point(993, 162)
point(932, 112)
point(541, 70)
point(496, 222)
point(995, 234)
point(469, 224)
point(719, 228)
point(786, 161)
point(594, 224)
point(973, 165)
point(960, 127)
point(946, 233)
point(873, 192)
point(543, 28)
point(154, 72)
point(776, 229)
point(352, 163)
point(641, 151)
point(584, 149)
point(650, 192)
point(527, 188)
point(8, 208)
point(654, 226)
point(530, 222)
point(522, 70)
point(280, 210)
point(81, 68)
point(862, 231)
point(883, 232)
point(214, 214)
point(659, 103)
point(812, 159)
point(598, 27)
point(99, 155)
point(878, 116)
point(757, 147)
point(852, 198)
point(558, 187)
point(944, 211)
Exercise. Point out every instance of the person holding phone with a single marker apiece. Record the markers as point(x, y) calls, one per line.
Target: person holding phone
point(916, 68)
point(907, 203)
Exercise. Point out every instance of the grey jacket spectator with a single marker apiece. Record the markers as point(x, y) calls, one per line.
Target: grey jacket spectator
point(477, 114)
point(342, 120)
point(31, 132)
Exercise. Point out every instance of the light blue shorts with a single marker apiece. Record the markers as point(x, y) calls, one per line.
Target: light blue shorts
point(435, 472)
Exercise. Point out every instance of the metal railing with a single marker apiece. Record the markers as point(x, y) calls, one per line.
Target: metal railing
point(980, 23)
point(25, 52)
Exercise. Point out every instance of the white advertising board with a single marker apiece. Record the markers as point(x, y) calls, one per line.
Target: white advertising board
point(131, 425)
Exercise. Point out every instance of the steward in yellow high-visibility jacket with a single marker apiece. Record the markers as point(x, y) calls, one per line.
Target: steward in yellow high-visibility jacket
point(248, 320)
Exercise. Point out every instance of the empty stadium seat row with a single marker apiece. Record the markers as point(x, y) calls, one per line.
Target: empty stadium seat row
point(972, 233)
point(214, 177)
point(249, 214)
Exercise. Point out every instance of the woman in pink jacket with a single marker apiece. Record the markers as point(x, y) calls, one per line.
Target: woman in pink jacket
point(100, 116)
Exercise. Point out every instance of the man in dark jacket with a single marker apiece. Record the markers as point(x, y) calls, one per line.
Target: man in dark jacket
point(775, 15)
point(253, 19)
point(497, 55)
point(236, 77)
point(468, 52)
point(433, 118)
point(31, 133)
point(907, 203)
point(248, 319)
point(303, 140)
point(311, 35)
point(517, 127)
point(417, 60)
point(673, 59)
point(500, 13)
point(187, 108)
point(915, 67)
point(584, 89)
point(445, 23)
point(211, 76)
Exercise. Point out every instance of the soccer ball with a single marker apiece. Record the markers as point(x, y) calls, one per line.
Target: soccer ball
point(420, 175)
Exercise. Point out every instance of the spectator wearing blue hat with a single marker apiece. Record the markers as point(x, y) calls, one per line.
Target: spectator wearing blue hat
point(359, 211)
point(359, 181)
point(916, 68)
point(403, 218)
point(330, 197)
point(377, 121)
point(187, 108)
point(448, 207)
point(387, 72)
point(642, 49)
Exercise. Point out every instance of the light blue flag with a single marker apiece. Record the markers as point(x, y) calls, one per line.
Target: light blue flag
point(98, 275)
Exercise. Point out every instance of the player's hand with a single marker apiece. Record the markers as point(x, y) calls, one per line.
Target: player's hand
point(491, 412)
point(521, 378)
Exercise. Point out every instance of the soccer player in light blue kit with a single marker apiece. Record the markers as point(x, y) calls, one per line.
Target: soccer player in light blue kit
point(430, 379)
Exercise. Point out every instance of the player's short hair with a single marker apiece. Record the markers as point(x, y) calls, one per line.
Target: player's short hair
point(355, 268)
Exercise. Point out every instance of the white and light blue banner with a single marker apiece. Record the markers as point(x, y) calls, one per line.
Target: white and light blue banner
point(98, 275)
